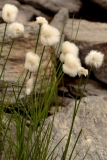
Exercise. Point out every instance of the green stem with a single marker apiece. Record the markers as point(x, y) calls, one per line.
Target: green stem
point(72, 29)
point(75, 144)
point(30, 75)
point(37, 39)
point(83, 89)
point(4, 96)
point(3, 40)
point(22, 86)
point(86, 153)
point(77, 30)
point(74, 115)
point(57, 48)
point(7, 58)
point(38, 68)
point(78, 92)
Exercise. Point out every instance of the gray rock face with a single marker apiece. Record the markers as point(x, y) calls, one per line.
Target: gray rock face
point(101, 3)
point(12, 128)
point(54, 5)
point(93, 88)
point(59, 21)
point(26, 12)
point(88, 33)
point(92, 118)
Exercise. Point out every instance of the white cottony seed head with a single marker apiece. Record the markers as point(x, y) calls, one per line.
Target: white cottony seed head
point(62, 57)
point(71, 65)
point(49, 35)
point(9, 13)
point(41, 20)
point(32, 61)
point(16, 30)
point(29, 86)
point(87, 142)
point(94, 59)
point(82, 71)
point(68, 47)
point(72, 72)
point(28, 91)
point(72, 61)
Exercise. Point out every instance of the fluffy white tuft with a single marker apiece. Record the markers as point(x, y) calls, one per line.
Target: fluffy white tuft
point(70, 71)
point(41, 20)
point(29, 86)
point(68, 47)
point(62, 57)
point(16, 30)
point(28, 91)
point(82, 71)
point(32, 61)
point(9, 13)
point(49, 35)
point(87, 142)
point(72, 63)
point(94, 58)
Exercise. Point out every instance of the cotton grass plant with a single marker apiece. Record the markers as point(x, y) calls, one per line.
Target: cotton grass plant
point(29, 143)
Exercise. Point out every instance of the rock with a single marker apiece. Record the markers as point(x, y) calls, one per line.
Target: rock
point(26, 12)
point(101, 3)
point(59, 21)
point(89, 33)
point(92, 119)
point(53, 6)
point(54, 109)
point(59, 104)
point(11, 139)
point(92, 11)
point(100, 73)
point(93, 88)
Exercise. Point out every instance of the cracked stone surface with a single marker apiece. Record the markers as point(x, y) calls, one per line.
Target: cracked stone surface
point(92, 119)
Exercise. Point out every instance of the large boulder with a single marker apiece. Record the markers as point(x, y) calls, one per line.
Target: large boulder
point(59, 22)
point(26, 12)
point(10, 128)
point(92, 119)
point(101, 3)
point(53, 5)
point(93, 88)
point(88, 33)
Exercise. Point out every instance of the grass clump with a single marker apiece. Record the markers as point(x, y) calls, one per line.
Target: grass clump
point(21, 132)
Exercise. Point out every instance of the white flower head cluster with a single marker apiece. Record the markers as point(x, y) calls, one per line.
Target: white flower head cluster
point(41, 21)
point(29, 86)
point(82, 71)
point(68, 47)
point(9, 13)
point(94, 59)
point(32, 61)
point(70, 58)
point(71, 65)
point(16, 30)
point(87, 142)
point(62, 57)
point(49, 35)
